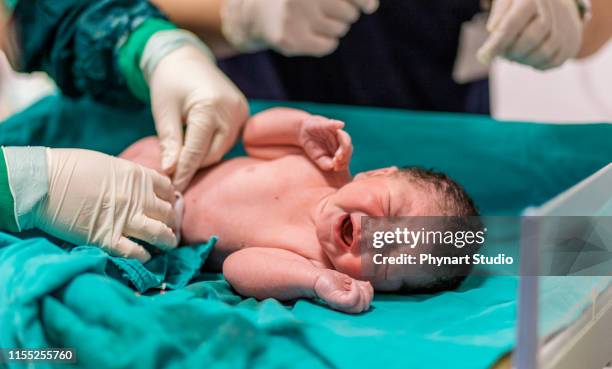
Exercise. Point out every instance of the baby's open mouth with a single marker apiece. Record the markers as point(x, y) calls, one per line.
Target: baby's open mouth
point(346, 231)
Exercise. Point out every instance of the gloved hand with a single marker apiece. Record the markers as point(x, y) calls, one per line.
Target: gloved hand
point(291, 27)
point(188, 89)
point(101, 200)
point(539, 33)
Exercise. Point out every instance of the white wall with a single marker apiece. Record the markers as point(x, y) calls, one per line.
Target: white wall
point(577, 92)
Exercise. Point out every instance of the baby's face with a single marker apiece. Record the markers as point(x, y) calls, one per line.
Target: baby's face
point(375, 193)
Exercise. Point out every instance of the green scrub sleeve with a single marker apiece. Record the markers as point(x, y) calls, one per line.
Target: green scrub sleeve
point(10, 4)
point(8, 221)
point(131, 53)
point(80, 44)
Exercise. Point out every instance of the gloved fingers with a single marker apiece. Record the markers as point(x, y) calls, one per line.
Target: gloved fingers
point(530, 39)
point(198, 138)
point(545, 54)
point(556, 60)
point(545, 11)
point(162, 186)
point(329, 27)
point(320, 45)
point(151, 231)
point(342, 10)
point(506, 31)
point(491, 48)
point(188, 165)
point(218, 148)
point(162, 211)
point(130, 249)
point(223, 140)
point(564, 51)
point(169, 126)
point(545, 65)
point(367, 6)
point(499, 9)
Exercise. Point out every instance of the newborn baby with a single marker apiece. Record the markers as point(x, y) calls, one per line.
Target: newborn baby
point(288, 215)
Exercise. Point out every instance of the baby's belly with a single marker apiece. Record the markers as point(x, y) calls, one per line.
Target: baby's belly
point(230, 199)
point(211, 199)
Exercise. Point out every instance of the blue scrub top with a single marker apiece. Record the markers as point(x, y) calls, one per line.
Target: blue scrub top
point(401, 57)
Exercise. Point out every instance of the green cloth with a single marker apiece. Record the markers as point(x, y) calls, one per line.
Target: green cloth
point(50, 297)
point(78, 43)
point(8, 220)
point(131, 53)
point(505, 166)
point(53, 298)
point(10, 4)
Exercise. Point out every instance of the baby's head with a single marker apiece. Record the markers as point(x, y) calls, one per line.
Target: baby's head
point(390, 192)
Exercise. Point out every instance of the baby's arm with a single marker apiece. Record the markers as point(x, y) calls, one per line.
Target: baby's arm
point(279, 132)
point(275, 273)
point(274, 133)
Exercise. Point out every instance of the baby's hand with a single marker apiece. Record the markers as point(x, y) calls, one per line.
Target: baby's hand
point(326, 143)
point(344, 293)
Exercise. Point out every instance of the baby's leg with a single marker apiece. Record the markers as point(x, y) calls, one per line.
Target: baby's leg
point(145, 152)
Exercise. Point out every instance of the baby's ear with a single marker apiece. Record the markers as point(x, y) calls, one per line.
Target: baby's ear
point(377, 172)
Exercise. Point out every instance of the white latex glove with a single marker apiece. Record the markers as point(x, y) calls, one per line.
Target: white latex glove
point(100, 200)
point(291, 27)
point(188, 89)
point(539, 33)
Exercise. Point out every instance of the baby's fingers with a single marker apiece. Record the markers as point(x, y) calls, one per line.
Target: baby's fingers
point(358, 300)
point(317, 121)
point(344, 152)
point(365, 297)
point(334, 124)
point(344, 139)
point(367, 292)
point(326, 163)
point(348, 299)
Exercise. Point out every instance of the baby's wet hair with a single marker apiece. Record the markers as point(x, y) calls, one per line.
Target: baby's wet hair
point(453, 202)
point(452, 199)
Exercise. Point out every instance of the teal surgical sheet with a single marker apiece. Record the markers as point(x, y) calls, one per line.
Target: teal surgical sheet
point(116, 314)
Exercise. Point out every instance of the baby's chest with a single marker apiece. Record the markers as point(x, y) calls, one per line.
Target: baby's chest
point(258, 182)
point(251, 203)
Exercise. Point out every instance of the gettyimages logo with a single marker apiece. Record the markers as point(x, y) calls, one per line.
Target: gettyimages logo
point(406, 237)
point(417, 247)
